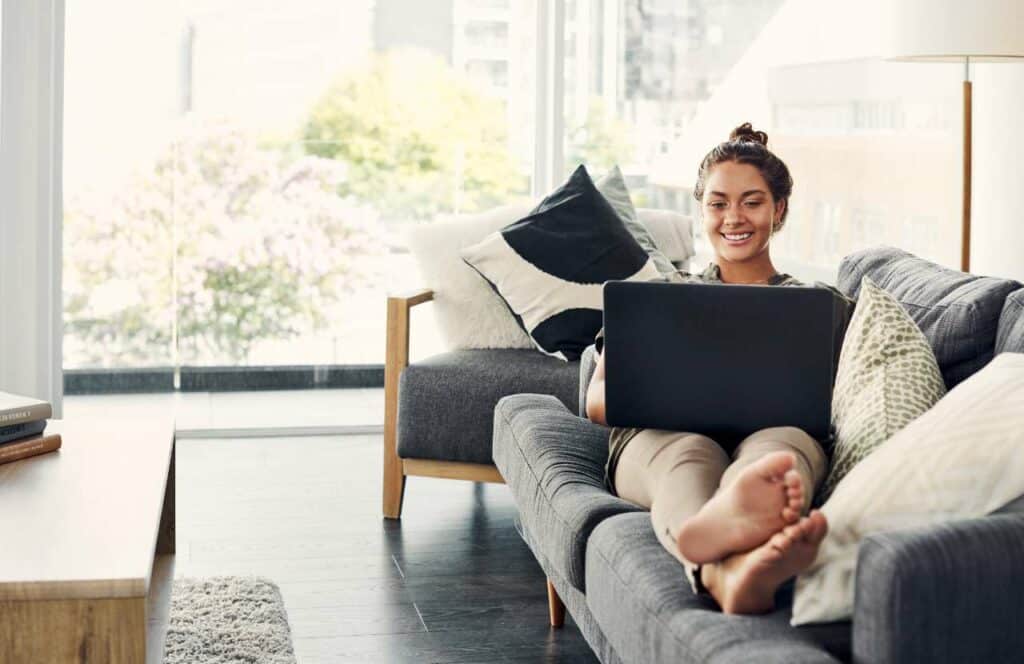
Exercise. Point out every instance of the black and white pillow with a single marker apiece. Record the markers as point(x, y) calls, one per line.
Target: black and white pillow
point(550, 266)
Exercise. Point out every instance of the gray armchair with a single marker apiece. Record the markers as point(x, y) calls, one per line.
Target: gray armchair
point(438, 412)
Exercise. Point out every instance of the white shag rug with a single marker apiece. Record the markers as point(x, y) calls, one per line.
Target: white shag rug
point(227, 620)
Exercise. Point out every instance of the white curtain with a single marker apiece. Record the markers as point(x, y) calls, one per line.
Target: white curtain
point(31, 121)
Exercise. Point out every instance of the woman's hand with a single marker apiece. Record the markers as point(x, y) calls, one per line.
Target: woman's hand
point(595, 393)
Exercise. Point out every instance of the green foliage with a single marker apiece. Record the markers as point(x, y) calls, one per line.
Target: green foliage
point(250, 244)
point(600, 140)
point(417, 138)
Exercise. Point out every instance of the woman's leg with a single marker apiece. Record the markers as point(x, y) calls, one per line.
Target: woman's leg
point(811, 462)
point(768, 486)
point(673, 474)
point(746, 582)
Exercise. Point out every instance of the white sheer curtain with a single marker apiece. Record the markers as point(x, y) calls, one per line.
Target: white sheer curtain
point(31, 119)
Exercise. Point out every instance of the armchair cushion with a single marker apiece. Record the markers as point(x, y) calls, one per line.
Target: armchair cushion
point(446, 402)
point(553, 461)
point(946, 593)
point(957, 312)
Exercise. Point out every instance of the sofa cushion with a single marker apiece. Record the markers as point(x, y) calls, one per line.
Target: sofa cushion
point(446, 402)
point(958, 312)
point(553, 461)
point(1010, 337)
point(639, 595)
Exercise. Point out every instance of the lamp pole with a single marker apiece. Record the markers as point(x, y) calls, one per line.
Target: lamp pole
point(965, 237)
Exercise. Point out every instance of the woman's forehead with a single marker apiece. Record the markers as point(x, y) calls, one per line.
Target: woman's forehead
point(734, 179)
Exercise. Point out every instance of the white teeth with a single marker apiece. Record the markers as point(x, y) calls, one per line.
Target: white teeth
point(737, 237)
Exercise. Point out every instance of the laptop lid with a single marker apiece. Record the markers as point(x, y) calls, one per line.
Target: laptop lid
point(721, 360)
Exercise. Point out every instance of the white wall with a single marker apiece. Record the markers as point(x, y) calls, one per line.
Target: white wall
point(30, 199)
point(997, 215)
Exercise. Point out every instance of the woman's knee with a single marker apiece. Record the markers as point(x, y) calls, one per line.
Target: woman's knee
point(695, 448)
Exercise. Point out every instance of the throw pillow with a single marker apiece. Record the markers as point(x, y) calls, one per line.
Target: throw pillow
point(613, 187)
point(672, 233)
point(468, 312)
point(887, 377)
point(962, 459)
point(550, 266)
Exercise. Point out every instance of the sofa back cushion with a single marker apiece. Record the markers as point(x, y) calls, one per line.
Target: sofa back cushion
point(958, 312)
point(1010, 337)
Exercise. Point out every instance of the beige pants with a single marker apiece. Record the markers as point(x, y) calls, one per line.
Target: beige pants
point(673, 474)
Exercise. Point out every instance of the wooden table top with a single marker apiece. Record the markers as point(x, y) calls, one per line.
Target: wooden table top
point(82, 522)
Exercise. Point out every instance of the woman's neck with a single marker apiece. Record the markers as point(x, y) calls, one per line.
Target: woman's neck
point(757, 271)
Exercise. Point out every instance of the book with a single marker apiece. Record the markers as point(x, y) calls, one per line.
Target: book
point(16, 431)
point(18, 410)
point(29, 447)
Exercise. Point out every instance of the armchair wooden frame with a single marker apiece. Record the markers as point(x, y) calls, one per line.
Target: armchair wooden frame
point(397, 469)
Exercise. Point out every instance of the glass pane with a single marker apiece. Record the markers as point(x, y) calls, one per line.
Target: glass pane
point(269, 159)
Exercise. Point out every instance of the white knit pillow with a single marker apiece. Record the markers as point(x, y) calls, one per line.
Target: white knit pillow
point(468, 311)
point(962, 459)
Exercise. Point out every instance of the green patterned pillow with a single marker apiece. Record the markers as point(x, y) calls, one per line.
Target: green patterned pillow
point(887, 377)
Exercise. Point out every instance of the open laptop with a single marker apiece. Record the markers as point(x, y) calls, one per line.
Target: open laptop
point(720, 360)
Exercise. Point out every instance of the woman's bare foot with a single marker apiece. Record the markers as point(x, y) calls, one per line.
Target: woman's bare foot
point(746, 582)
point(764, 497)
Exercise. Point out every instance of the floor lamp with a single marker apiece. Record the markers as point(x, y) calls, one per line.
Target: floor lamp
point(957, 31)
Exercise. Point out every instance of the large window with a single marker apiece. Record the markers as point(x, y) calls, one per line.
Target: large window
point(240, 174)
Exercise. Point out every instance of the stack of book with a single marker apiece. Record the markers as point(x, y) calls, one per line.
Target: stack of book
point(23, 428)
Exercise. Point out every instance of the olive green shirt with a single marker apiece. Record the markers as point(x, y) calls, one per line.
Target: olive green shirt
point(620, 436)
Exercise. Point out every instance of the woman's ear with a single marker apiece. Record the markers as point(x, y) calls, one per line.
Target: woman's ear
point(780, 208)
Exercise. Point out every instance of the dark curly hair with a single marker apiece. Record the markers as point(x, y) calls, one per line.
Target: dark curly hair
point(749, 146)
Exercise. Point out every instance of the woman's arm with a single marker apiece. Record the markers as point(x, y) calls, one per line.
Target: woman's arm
point(595, 393)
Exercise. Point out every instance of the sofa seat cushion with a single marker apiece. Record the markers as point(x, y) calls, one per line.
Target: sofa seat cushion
point(640, 596)
point(958, 312)
point(553, 461)
point(446, 402)
point(1010, 338)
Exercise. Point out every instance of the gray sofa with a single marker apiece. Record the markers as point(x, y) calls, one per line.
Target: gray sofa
point(953, 593)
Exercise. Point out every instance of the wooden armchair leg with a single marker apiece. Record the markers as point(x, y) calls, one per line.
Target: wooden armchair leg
point(556, 608)
point(395, 360)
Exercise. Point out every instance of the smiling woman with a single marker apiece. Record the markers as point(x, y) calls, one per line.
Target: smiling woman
point(768, 479)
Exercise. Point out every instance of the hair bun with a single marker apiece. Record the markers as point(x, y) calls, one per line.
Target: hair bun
point(746, 133)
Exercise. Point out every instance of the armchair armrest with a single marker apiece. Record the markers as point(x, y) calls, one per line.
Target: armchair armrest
point(947, 593)
point(396, 358)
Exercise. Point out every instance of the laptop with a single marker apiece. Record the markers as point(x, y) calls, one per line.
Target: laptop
point(720, 360)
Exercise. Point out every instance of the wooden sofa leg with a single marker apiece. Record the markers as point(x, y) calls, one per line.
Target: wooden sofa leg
point(556, 608)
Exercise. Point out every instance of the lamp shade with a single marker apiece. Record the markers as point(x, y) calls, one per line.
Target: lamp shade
point(951, 30)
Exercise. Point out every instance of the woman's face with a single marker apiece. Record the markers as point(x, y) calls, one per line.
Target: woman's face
point(739, 211)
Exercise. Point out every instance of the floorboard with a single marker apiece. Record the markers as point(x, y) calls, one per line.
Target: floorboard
point(452, 582)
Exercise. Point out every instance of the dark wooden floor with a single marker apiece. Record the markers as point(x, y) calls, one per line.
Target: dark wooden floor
point(451, 582)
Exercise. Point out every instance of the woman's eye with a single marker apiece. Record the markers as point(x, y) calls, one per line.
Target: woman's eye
point(754, 203)
point(717, 205)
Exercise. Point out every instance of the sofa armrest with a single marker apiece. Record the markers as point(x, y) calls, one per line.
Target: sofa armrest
point(396, 358)
point(588, 363)
point(945, 593)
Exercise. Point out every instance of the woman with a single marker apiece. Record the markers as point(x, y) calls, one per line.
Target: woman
point(730, 513)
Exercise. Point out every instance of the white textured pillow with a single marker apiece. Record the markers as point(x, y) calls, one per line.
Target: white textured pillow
point(887, 377)
point(672, 233)
point(468, 311)
point(962, 459)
